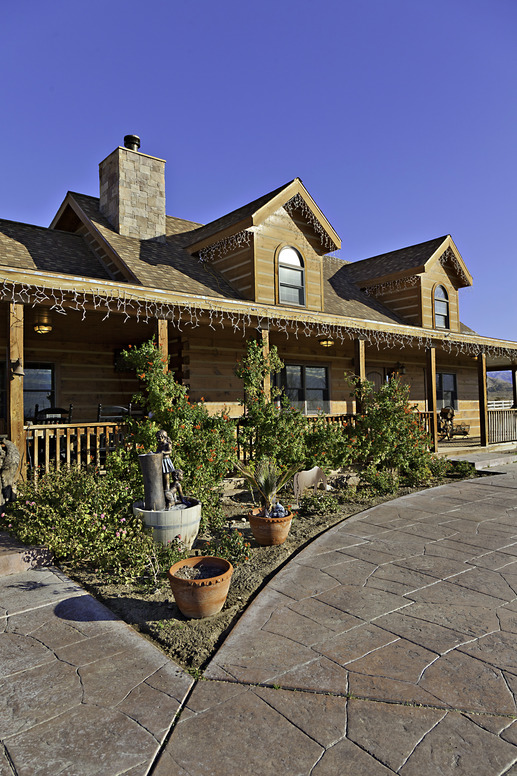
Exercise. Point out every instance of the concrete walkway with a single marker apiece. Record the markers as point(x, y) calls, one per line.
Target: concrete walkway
point(387, 646)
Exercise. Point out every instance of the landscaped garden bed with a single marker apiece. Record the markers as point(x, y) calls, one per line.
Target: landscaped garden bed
point(86, 517)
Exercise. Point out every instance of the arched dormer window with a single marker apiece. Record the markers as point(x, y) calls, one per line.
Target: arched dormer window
point(441, 308)
point(291, 277)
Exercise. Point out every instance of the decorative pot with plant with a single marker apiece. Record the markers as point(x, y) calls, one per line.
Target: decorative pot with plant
point(271, 522)
point(200, 585)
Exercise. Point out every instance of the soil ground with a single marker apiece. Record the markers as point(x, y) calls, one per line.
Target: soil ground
point(191, 643)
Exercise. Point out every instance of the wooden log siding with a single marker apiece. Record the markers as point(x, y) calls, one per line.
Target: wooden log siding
point(502, 426)
point(279, 230)
point(237, 266)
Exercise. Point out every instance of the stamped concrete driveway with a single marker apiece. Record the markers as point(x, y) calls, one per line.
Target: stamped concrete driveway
point(387, 646)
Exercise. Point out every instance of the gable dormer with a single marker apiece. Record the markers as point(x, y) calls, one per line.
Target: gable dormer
point(419, 283)
point(271, 249)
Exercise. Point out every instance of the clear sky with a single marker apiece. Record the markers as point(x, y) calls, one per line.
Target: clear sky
point(400, 116)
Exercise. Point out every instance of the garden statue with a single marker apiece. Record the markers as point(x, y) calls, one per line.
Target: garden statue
point(307, 479)
point(9, 470)
point(165, 447)
point(175, 494)
point(165, 510)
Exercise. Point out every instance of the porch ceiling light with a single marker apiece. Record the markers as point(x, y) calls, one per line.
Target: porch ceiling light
point(326, 342)
point(43, 323)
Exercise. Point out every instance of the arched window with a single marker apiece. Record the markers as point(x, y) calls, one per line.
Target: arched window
point(441, 308)
point(291, 277)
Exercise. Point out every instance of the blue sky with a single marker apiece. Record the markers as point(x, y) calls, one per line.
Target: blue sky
point(400, 116)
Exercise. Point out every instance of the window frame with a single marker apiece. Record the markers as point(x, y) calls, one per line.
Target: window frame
point(440, 401)
point(282, 284)
point(443, 300)
point(303, 401)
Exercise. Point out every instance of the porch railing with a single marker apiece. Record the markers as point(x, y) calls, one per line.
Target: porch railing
point(70, 445)
point(502, 426)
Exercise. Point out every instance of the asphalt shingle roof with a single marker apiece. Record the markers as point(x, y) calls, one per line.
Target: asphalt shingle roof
point(343, 297)
point(37, 248)
point(409, 258)
point(155, 264)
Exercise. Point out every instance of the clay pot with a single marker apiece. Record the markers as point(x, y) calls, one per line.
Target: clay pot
point(197, 598)
point(269, 530)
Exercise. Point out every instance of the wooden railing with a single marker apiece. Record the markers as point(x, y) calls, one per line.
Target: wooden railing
point(502, 426)
point(70, 445)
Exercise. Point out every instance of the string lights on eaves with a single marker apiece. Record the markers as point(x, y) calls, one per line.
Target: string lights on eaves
point(191, 315)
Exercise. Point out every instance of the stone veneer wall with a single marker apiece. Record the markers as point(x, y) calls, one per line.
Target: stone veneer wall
point(132, 193)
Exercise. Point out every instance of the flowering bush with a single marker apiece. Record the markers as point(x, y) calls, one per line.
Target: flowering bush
point(388, 436)
point(204, 446)
point(272, 429)
point(84, 517)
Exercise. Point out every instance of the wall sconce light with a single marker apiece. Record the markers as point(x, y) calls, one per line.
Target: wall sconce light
point(326, 342)
point(43, 323)
point(17, 368)
point(400, 368)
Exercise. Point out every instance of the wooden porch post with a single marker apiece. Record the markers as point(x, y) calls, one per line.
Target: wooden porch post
point(359, 367)
point(431, 395)
point(514, 386)
point(163, 338)
point(483, 400)
point(15, 382)
point(264, 333)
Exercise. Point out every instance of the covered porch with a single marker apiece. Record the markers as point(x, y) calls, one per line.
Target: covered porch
point(204, 338)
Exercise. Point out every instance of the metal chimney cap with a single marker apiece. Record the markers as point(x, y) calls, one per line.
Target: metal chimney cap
point(132, 142)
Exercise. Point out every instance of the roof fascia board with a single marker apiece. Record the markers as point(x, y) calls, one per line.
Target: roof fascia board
point(449, 243)
point(128, 292)
point(70, 201)
point(290, 191)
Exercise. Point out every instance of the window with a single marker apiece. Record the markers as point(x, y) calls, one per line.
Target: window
point(441, 308)
point(306, 387)
point(291, 277)
point(38, 388)
point(377, 379)
point(446, 391)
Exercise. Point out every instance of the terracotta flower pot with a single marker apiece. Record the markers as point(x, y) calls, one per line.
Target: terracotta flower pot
point(197, 598)
point(269, 530)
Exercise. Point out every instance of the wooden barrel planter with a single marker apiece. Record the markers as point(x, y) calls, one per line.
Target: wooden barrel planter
point(203, 596)
point(167, 524)
point(269, 530)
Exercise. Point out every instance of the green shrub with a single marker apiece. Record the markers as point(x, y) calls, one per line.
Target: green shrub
point(318, 504)
point(204, 445)
point(271, 428)
point(85, 517)
point(380, 481)
point(229, 544)
point(388, 435)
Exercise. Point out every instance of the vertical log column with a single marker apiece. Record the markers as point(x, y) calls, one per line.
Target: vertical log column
point(514, 386)
point(359, 368)
point(265, 347)
point(15, 382)
point(483, 400)
point(431, 396)
point(163, 338)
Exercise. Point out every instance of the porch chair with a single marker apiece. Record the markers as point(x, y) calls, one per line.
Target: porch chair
point(53, 415)
point(113, 413)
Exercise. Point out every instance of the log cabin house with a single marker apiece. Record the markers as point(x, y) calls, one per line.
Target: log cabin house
point(115, 269)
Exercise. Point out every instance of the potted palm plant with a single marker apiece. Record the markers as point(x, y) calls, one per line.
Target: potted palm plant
point(269, 523)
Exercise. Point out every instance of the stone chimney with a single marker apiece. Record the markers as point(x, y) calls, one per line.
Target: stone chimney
point(132, 191)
